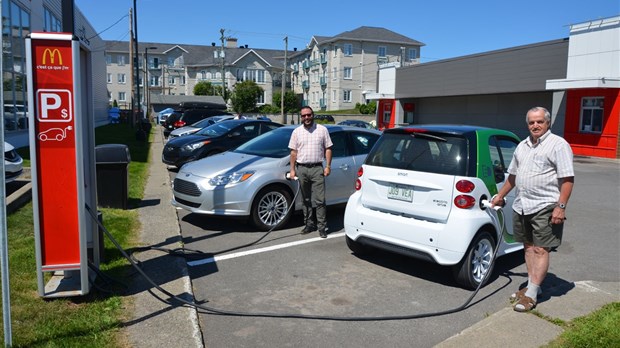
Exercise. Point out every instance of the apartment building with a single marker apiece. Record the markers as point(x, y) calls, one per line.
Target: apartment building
point(174, 69)
point(336, 73)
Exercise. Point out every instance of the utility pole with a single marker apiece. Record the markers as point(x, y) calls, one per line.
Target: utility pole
point(135, 43)
point(223, 71)
point(132, 80)
point(282, 113)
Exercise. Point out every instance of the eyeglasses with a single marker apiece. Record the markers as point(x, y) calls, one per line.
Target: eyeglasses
point(308, 115)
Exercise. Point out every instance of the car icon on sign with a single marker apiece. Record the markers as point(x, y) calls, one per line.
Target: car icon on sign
point(57, 134)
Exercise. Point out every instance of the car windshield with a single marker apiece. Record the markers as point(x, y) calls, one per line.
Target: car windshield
point(424, 153)
point(203, 123)
point(272, 144)
point(217, 129)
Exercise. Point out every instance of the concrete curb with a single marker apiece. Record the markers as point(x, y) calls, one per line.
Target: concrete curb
point(508, 328)
point(20, 197)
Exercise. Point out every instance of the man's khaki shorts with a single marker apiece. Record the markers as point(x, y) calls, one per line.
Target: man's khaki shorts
point(537, 229)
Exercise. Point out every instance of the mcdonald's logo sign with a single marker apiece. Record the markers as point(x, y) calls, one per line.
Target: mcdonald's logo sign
point(52, 53)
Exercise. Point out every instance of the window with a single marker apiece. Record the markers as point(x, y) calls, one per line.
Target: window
point(121, 96)
point(120, 59)
point(171, 80)
point(109, 78)
point(170, 61)
point(340, 148)
point(121, 78)
point(412, 54)
point(334, 96)
point(154, 80)
point(346, 96)
point(348, 49)
point(261, 99)
point(592, 114)
point(108, 59)
point(501, 150)
point(334, 73)
point(381, 52)
point(348, 73)
point(260, 76)
point(335, 51)
point(363, 142)
point(203, 74)
point(182, 80)
point(52, 23)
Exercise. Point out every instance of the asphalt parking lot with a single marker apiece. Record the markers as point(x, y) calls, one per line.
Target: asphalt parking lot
point(285, 272)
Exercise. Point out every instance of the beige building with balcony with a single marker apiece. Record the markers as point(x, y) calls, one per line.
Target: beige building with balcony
point(336, 73)
point(174, 69)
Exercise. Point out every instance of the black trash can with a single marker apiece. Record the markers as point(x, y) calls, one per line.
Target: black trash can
point(112, 175)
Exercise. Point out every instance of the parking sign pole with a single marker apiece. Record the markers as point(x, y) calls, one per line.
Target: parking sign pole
point(57, 158)
point(4, 249)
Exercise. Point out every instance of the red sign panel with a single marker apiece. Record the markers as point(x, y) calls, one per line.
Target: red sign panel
point(55, 142)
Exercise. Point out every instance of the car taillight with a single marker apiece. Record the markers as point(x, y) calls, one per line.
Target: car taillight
point(464, 201)
point(179, 124)
point(465, 186)
point(358, 182)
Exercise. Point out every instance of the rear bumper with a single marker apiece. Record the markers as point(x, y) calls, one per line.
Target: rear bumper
point(444, 243)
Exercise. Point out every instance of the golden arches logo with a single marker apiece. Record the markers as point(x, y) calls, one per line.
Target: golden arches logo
point(51, 53)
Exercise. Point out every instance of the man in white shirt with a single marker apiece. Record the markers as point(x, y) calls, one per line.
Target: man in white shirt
point(542, 172)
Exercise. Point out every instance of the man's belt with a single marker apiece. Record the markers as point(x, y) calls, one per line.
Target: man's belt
point(310, 165)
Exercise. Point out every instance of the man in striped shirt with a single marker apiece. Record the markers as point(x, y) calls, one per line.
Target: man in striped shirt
point(310, 145)
point(542, 172)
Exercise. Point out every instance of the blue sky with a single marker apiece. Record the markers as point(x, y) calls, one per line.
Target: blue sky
point(448, 28)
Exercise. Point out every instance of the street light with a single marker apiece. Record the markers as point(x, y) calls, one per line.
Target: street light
point(147, 98)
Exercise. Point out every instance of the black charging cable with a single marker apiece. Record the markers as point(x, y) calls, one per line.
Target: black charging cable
point(217, 311)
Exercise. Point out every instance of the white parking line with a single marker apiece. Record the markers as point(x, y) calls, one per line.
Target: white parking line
point(261, 250)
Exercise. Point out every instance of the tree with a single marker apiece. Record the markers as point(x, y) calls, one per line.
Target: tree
point(204, 88)
point(291, 104)
point(245, 95)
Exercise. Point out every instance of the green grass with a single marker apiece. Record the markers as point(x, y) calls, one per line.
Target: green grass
point(93, 320)
point(599, 329)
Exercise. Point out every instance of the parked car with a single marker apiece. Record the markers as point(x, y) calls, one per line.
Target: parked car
point(163, 115)
point(251, 180)
point(183, 118)
point(324, 118)
point(356, 123)
point(195, 127)
point(419, 193)
point(13, 163)
point(15, 117)
point(219, 137)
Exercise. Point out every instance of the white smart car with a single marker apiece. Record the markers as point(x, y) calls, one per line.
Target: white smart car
point(420, 192)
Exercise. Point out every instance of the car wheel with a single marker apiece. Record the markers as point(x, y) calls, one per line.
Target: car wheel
point(271, 208)
point(357, 248)
point(478, 261)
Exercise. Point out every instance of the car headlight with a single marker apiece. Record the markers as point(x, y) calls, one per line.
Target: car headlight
point(231, 178)
point(194, 146)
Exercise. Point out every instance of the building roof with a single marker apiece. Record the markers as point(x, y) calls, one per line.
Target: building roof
point(366, 34)
point(201, 55)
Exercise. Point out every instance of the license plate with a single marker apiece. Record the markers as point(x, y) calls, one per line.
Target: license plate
point(400, 192)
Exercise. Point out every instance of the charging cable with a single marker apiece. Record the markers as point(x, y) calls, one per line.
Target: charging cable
point(217, 311)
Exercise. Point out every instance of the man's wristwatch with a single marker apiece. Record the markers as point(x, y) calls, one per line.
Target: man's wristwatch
point(562, 205)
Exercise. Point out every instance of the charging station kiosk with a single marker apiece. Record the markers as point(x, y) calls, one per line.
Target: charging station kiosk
point(62, 164)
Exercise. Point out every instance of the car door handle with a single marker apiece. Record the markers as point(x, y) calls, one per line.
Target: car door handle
point(344, 167)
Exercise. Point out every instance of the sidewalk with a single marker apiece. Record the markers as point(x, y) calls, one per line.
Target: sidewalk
point(156, 323)
point(508, 328)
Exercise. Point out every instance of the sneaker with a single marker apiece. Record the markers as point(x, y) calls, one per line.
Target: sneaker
point(308, 229)
point(322, 234)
